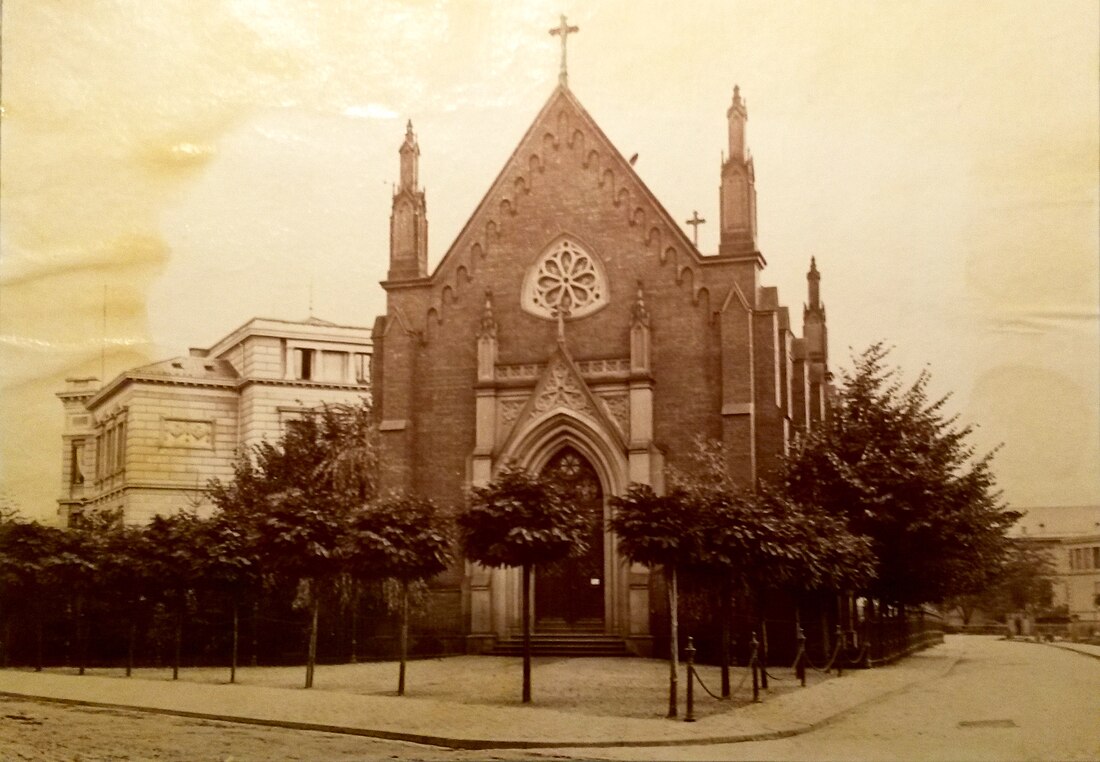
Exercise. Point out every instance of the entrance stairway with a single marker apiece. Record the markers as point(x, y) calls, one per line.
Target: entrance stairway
point(556, 637)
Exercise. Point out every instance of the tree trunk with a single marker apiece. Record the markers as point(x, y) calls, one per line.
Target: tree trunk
point(674, 641)
point(354, 656)
point(80, 634)
point(236, 637)
point(130, 644)
point(527, 633)
point(178, 643)
point(5, 644)
point(726, 607)
point(255, 658)
point(38, 640)
point(311, 656)
point(404, 636)
point(763, 651)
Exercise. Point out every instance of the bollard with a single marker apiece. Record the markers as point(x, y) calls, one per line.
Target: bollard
point(800, 663)
point(689, 652)
point(755, 677)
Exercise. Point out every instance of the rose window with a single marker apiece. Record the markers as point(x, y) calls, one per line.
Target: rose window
point(565, 279)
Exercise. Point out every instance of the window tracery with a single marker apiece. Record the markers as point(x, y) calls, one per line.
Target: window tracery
point(565, 279)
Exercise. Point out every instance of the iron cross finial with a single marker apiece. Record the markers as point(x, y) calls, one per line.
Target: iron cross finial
point(695, 222)
point(564, 30)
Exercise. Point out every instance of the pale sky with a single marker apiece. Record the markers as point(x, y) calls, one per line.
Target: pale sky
point(204, 162)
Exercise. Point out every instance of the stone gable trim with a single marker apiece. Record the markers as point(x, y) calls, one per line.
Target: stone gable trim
point(561, 382)
point(736, 293)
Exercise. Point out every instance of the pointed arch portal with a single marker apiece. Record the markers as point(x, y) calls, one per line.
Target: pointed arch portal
point(572, 591)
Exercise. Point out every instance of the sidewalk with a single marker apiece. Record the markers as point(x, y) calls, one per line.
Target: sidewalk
point(462, 725)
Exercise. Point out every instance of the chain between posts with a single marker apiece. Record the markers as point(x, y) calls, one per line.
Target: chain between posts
point(832, 659)
point(689, 653)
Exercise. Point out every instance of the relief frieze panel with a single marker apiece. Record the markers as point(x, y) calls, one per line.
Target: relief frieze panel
point(185, 433)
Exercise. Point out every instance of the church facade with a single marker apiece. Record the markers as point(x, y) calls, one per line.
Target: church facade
point(574, 326)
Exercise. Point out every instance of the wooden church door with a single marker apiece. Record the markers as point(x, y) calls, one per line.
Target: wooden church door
point(572, 590)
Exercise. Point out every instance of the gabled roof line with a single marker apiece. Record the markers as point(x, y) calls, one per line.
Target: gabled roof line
point(558, 93)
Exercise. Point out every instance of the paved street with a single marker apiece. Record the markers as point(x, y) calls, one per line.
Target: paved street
point(1002, 700)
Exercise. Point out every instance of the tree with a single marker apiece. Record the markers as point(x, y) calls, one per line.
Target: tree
point(82, 555)
point(30, 555)
point(295, 498)
point(520, 519)
point(666, 531)
point(405, 539)
point(230, 566)
point(1021, 584)
point(898, 471)
point(757, 541)
point(765, 542)
point(172, 550)
point(130, 579)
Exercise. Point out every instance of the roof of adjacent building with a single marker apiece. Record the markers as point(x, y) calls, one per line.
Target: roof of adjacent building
point(1058, 521)
point(192, 368)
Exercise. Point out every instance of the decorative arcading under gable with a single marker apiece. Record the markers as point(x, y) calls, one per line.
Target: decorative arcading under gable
point(657, 238)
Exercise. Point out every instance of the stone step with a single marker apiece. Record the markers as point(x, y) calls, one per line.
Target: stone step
point(564, 644)
point(593, 626)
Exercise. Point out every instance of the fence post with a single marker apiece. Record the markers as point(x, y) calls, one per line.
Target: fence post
point(689, 652)
point(754, 664)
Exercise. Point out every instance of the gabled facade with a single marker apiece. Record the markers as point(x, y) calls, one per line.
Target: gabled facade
point(572, 320)
point(150, 440)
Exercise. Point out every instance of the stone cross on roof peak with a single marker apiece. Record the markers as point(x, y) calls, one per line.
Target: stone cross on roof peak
point(564, 30)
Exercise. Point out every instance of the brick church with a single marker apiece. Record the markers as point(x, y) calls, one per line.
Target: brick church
point(574, 326)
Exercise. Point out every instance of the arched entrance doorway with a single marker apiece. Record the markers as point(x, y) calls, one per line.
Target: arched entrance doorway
point(571, 592)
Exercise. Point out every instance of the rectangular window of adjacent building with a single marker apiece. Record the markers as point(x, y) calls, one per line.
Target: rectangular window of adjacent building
point(120, 446)
point(303, 364)
point(76, 462)
point(1096, 557)
point(362, 368)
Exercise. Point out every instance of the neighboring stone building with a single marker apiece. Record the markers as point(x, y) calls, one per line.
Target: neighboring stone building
point(1071, 537)
point(150, 440)
point(574, 326)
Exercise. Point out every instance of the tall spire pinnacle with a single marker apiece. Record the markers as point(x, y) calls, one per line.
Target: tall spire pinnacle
point(409, 219)
point(410, 159)
point(564, 30)
point(813, 281)
point(738, 188)
point(738, 115)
